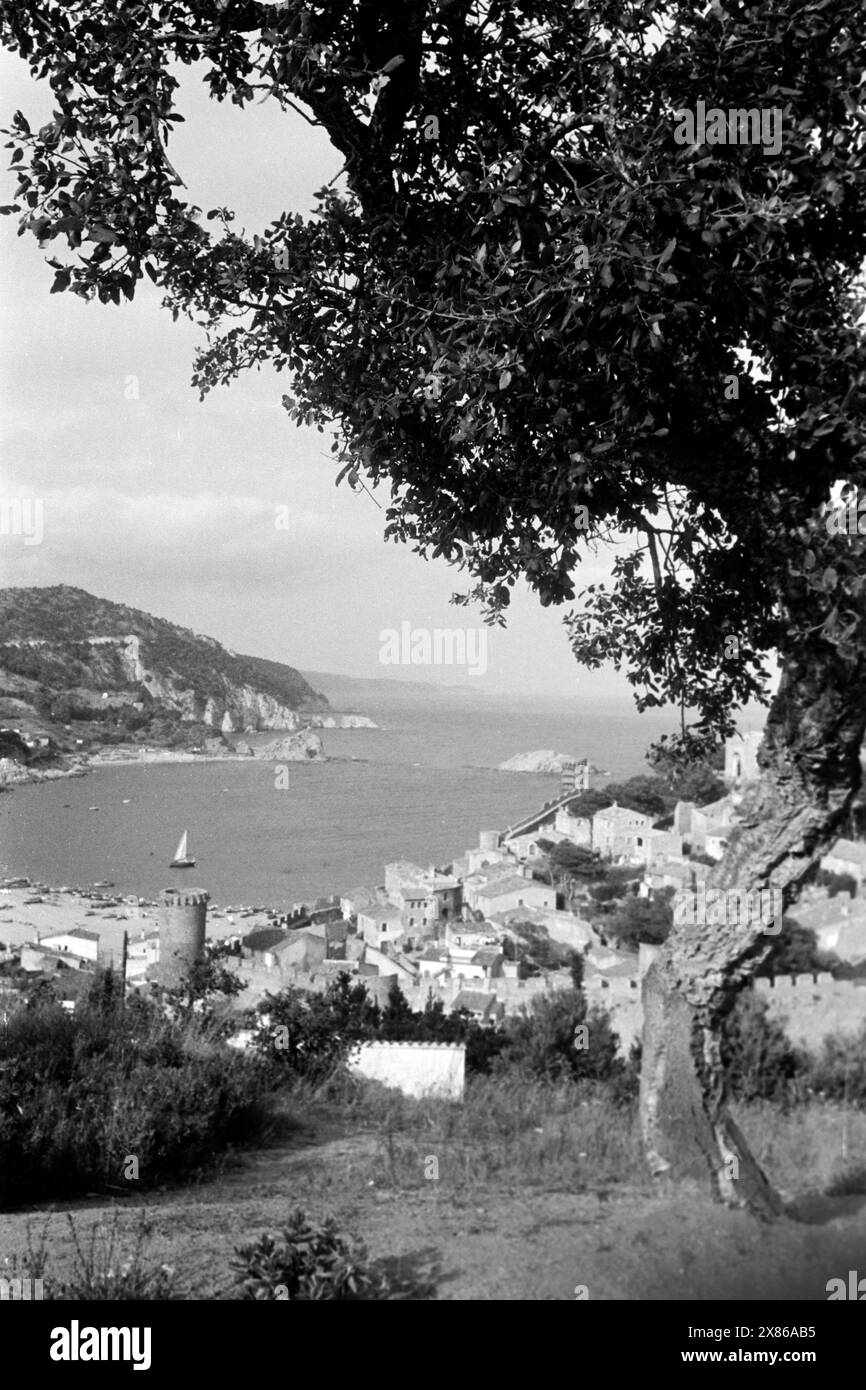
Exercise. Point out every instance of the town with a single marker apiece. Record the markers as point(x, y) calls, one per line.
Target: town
point(485, 935)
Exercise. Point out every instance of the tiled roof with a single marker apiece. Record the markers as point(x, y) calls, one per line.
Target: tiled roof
point(264, 939)
point(620, 813)
point(381, 912)
point(513, 884)
point(474, 1000)
point(487, 956)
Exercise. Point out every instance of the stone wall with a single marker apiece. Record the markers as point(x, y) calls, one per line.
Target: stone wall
point(416, 1069)
point(812, 1006)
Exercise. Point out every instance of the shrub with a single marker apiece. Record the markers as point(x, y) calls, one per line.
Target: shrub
point(309, 1264)
point(546, 1043)
point(105, 1273)
point(848, 1181)
point(759, 1060)
point(82, 1094)
point(107, 1267)
point(839, 1070)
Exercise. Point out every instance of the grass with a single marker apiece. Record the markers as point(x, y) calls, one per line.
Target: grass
point(371, 1157)
point(804, 1147)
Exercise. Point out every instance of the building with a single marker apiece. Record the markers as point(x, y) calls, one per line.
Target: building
point(300, 950)
point(514, 891)
point(475, 860)
point(484, 1008)
point(258, 945)
point(574, 777)
point(674, 871)
point(839, 924)
point(741, 758)
point(528, 847)
point(425, 895)
point(565, 928)
point(181, 934)
point(78, 942)
point(576, 829)
point(847, 857)
point(620, 833)
point(353, 902)
point(381, 924)
point(696, 824)
point(391, 966)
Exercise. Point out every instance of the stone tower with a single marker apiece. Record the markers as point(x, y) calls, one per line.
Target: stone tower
point(181, 933)
point(574, 777)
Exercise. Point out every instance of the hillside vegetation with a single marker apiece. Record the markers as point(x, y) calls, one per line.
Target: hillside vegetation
point(50, 660)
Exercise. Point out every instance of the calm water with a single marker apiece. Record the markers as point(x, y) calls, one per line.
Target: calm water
point(421, 788)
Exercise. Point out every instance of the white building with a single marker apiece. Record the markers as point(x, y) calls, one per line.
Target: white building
point(620, 833)
point(576, 829)
point(78, 942)
point(513, 891)
point(381, 924)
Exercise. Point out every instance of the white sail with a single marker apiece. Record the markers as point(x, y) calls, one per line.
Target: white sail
point(181, 851)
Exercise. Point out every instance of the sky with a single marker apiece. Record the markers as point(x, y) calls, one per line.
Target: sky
point(220, 515)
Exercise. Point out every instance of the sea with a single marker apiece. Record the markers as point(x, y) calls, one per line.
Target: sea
point(420, 787)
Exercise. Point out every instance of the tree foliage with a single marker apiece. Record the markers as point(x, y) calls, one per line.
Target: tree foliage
point(524, 317)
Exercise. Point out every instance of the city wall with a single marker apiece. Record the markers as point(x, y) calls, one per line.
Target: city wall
point(416, 1069)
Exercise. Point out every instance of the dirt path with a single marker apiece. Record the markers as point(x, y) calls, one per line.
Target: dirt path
point(487, 1245)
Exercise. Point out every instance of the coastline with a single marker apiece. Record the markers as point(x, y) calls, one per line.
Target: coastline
point(31, 910)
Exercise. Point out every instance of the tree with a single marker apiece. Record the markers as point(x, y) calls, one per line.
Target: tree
point(534, 311)
point(397, 1017)
point(640, 919)
point(645, 794)
point(562, 1037)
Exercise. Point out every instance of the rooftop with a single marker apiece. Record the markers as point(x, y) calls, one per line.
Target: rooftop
point(513, 884)
point(622, 813)
point(264, 938)
point(381, 912)
point(855, 850)
point(81, 932)
point(474, 1000)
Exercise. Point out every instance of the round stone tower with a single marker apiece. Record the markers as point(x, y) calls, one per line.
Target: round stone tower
point(181, 933)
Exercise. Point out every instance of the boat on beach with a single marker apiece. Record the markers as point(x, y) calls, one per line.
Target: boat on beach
point(182, 858)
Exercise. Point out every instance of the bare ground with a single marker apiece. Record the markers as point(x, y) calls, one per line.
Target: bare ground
point(485, 1242)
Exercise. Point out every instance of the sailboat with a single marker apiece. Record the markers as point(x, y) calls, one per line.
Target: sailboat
point(182, 858)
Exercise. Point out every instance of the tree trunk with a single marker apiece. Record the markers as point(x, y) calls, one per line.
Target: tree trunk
point(810, 765)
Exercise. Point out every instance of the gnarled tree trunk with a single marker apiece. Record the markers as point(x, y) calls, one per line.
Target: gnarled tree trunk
point(810, 763)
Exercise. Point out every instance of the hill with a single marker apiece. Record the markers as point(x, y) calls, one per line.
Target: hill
point(69, 657)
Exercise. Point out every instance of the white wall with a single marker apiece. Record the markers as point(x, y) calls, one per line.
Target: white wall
point(416, 1069)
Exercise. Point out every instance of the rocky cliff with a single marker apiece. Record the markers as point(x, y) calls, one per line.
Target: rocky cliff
point(543, 760)
point(81, 656)
point(301, 747)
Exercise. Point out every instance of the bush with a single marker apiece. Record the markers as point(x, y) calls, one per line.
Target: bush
point(760, 1062)
point(83, 1095)
point(848, 1181)
point(547, 1043)
point(309, 1264)
point(839, 1070)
